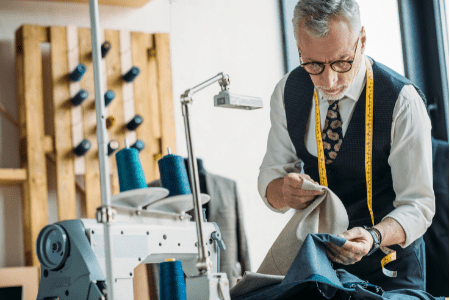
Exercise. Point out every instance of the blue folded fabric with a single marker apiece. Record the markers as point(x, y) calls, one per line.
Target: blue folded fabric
point(312, 276)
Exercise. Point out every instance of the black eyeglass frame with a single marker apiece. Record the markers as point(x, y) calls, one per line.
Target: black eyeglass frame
point(331, 63)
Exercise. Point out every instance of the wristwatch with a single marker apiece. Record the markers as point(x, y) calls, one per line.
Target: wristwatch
point(377, 238)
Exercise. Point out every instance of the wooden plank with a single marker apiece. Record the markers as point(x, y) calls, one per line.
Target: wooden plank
point(140, 45)
point(65, 173)
point(31, 132)
point(155, 117)
point(114, 80)
point(162, 48)
point(25, 277)
point(73, 57)
point(48, 144)
point(12, 176)
point(92, 175)
point(44, 34)
point(127, 87)
point(140, 283)
point(153, 90)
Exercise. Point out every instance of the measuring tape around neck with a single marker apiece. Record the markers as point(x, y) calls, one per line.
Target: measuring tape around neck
point(391, 255)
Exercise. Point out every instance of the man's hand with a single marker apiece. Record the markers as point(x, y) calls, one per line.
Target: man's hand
point(293, 194)
point(359, 242)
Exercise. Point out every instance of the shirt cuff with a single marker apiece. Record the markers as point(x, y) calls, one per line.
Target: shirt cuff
point(264, 179)
point(412, 221)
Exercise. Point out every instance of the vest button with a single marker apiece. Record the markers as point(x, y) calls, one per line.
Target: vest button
point(329, 171)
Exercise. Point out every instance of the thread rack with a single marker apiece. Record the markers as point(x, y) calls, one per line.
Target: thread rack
point(148, 95)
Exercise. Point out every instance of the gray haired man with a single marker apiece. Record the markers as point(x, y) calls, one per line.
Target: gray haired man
point(319, 119)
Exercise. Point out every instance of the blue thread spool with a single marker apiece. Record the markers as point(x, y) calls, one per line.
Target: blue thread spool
point(82, 147)
point(131, 174)
point(132, 74)
point(135, 122)
point(109, 97)
point(171, 280)
point(139, 145)
point(79, 97)
point(174, 175)
point(106, 46)
point(77, 73)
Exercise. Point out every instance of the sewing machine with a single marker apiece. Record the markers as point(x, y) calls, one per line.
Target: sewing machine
point(72, 254)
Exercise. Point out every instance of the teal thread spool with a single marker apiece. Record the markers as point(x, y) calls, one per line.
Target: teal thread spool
point(173, 175)
point(131, 174)
point(171, 280)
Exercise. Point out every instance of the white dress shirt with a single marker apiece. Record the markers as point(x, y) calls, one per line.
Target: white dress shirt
point(410, 158)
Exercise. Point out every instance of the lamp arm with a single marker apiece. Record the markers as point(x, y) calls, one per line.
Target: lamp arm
point(203, 262)
point(224, 81)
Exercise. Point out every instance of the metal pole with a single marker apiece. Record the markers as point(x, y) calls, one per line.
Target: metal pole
point(102, 140)
point(203, 262)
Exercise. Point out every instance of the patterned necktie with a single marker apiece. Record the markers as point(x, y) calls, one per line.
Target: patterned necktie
point(332, 132)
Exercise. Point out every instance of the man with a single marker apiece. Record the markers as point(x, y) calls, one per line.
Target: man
point(331, 44)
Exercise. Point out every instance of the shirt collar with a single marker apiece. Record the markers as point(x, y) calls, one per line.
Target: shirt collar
point(357, 86)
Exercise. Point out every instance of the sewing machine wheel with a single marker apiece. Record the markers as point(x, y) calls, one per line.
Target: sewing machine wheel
point(52, 247)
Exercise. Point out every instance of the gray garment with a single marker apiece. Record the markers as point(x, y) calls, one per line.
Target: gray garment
point(225, 209)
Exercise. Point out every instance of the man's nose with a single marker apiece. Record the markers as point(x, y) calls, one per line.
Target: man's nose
point(329, 77)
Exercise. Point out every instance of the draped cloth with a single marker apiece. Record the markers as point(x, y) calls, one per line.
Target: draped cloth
point(326, 214)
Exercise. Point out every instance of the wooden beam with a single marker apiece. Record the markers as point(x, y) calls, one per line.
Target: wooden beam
point(114, 79)
point(162, 48)
point(29, 92)
point(44, 34)
point(140, 45)
point(48, 144)
point(154, 113)
point(92, 176)
point(12, 176)
point(65, 173)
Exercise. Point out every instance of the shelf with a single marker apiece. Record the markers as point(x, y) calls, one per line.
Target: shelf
point(12, 176)
point(135, 3)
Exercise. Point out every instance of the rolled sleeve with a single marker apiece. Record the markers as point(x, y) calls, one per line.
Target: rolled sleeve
point(280, 158)
point(411, 165)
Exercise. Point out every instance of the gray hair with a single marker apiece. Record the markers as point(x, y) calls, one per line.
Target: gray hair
point(318, 13)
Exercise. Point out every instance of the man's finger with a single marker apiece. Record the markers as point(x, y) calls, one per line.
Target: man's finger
point(344, 254)
point(293, 180)
point(354, 248)
point(332, 249)
point(307, 177)
point(335, 258)
point(352, 234)
point(304, 193)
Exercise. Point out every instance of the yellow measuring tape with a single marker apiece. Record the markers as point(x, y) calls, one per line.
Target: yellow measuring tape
point(320, 153)
point(390, 254)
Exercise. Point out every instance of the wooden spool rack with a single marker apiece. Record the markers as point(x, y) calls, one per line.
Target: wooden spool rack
point(149, 95)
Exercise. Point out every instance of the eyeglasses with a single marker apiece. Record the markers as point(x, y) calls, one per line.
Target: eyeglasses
point(340, 66)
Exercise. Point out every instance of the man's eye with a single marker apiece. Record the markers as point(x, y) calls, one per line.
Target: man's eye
point(340, 64)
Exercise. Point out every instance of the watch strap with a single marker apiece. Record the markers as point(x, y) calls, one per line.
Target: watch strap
point(376, 241)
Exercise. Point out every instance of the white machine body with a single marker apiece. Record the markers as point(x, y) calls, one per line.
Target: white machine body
point(72, 254)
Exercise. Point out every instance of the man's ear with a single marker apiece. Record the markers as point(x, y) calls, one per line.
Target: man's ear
point(363, 40)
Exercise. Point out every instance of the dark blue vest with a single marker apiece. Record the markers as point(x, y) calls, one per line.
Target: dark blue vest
point(346, 175)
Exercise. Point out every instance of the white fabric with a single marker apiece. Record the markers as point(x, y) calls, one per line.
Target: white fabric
point(326, 214)
point(410, 157)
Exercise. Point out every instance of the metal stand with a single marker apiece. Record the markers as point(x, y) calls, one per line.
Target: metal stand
point(203, 263)
point(105, 215)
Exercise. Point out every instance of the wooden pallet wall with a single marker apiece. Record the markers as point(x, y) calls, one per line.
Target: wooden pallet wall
point(149, 95)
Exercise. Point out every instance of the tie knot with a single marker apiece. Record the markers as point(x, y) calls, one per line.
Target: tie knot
point(333, 104)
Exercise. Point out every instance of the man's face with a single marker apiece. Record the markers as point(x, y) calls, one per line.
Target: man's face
point(339, 44)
